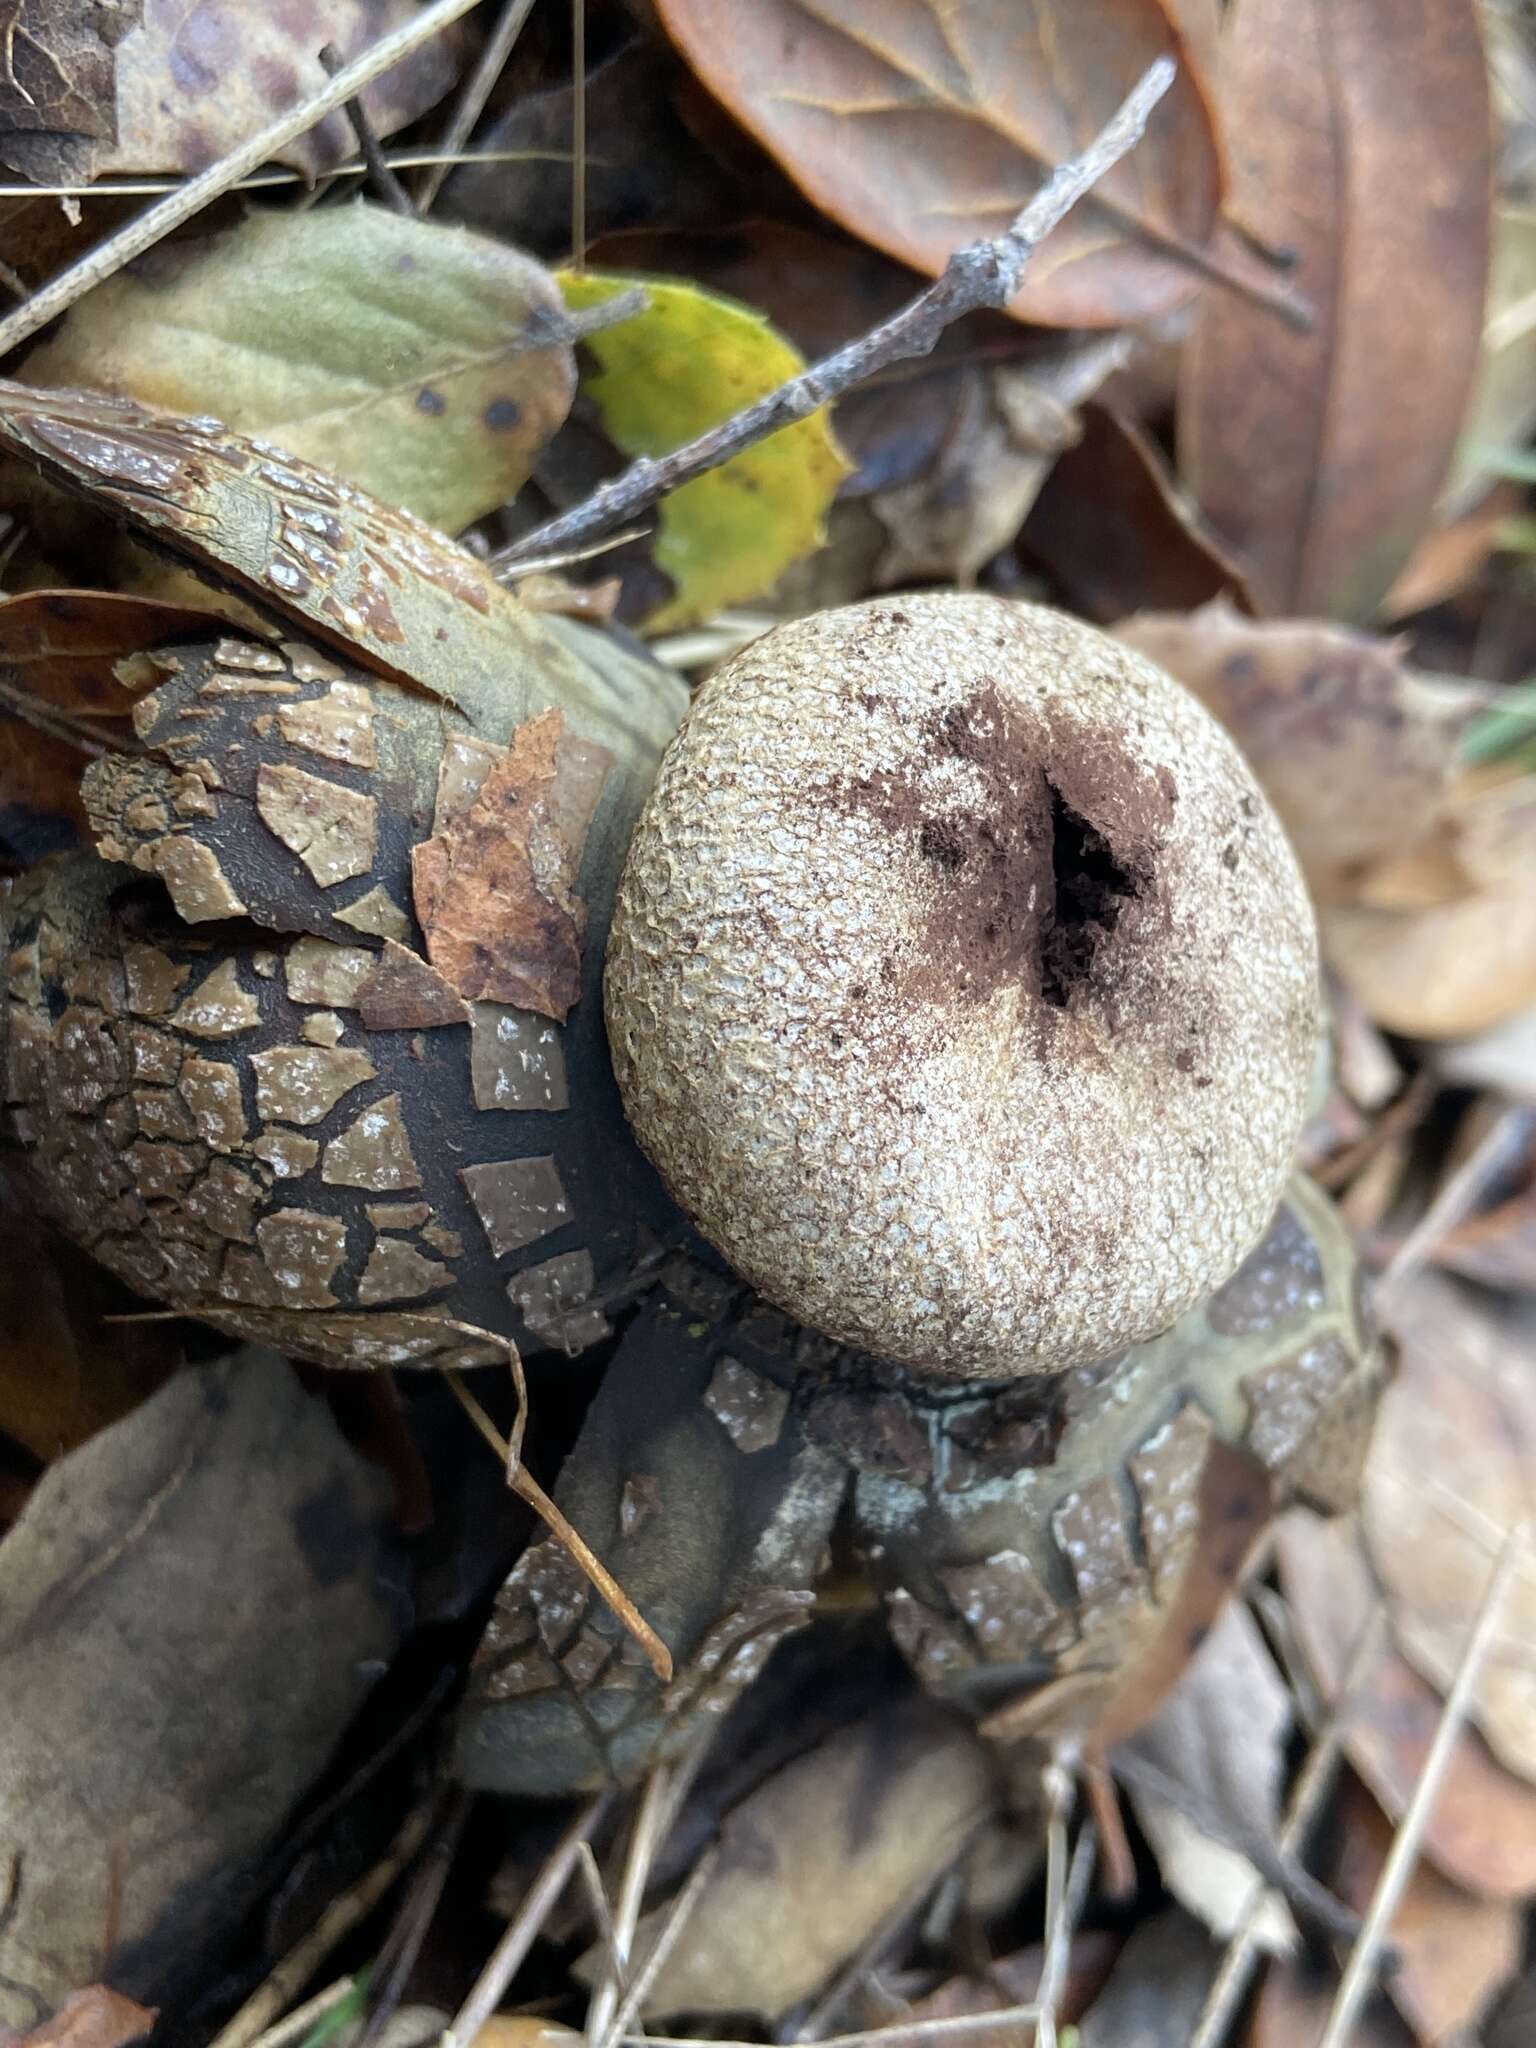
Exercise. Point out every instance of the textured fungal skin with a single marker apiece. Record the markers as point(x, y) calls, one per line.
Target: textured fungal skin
point(962, 985)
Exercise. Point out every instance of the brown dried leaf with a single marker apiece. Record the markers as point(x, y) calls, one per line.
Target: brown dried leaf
point(200, 76)
point(820, 1856)
point(1441, 942)
point(58, 91)
point(1454, 1950)
point(94, 2018)
point(1355, 753)
point(923, 127)
point(62, 648)
point(1318, 456)
point(1448, 1477)
point(40, 807)
point(216, 1568)
point(494, 889)
point(1482, 1829)
point(1113, 531)
point(65, 1372)
point(1220, 1737)
point(1292, 2012)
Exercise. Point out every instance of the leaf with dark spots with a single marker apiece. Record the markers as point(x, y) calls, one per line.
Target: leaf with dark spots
point(433, 384)
point(495, 888)
point(924, 126)
point(197, 79)
point(166, 1633)
point(685, 363)
point(1110, 528)
point(1360, 141)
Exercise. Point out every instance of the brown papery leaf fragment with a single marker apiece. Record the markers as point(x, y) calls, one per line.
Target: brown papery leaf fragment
point(1448, 1479)
point(62, 648)
point(1354, 751)
point(923, 126)
point(1112, 530)
point(58, 86)
point(495, 890)
point(1454, 1951)
point(1360, 140)
point(1482, 1829)
point(97, 2017)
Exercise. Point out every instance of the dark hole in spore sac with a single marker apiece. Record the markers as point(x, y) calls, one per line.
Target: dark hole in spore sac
point(1089, 888)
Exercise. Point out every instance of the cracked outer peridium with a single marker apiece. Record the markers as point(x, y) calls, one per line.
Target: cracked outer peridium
point(258, 1099)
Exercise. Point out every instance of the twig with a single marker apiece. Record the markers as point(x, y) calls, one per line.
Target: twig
point(1059, 1933)
point(149, 227)
point(380, 175)
point(473, 94)
point(397, 1958)
point(597, 1898)
point(529, 1489)
point(578, 134)
point(1230, 1984)
point(871, 2037)
point(986, 273)
point(644, 1838)
point(523, 1928)
point(298, 2023)
point(1455, 1200)
point(1360, 1971)
point(269, 1999)
point(269, 180)
point(670, 1934)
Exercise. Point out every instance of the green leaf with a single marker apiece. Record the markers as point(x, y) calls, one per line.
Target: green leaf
point(1518, 464)
point(1506, 727)
point(412, 358)
point(690, 360)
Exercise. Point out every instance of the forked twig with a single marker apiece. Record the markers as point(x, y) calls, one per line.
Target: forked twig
point(984, 274)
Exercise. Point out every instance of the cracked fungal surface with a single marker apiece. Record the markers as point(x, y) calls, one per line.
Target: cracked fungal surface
point(236, 1072)
point(1034, 1543)
point(962, 985)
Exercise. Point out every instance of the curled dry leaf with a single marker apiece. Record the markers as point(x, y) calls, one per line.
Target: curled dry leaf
point(1447, 1479)
point(924, 126)
point(1114, 532)
point(1219, 1737)
point(423, 362)
point(687, 361)
point(216, 1568)
point(1454, 1951)
point(819, 1857)
point(1355, 753)
point(1318, 456)
point(71, 651)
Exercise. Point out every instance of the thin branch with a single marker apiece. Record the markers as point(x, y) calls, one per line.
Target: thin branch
point(1360, 1971)
point(987, 273)
point(681, 1912)
point(151, 226)
point(268, 180)
point(380, 174)
point(473, 94)
point(645, 1837)
point(522, 1929)
point(302, 2018)
point(578, 135)
point(272, 1997)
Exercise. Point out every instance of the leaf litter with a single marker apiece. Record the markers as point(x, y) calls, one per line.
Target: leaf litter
point(854, 1869)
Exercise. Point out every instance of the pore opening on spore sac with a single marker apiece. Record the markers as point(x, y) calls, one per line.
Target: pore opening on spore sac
point(1089, 889)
